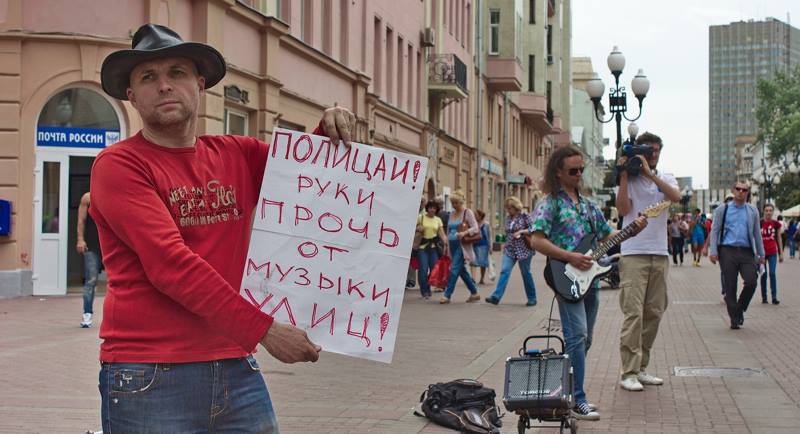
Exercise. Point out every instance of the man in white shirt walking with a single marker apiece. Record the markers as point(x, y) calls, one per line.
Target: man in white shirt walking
point(644, 263)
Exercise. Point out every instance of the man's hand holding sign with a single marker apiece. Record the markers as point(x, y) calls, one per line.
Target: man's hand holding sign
point(331, 239)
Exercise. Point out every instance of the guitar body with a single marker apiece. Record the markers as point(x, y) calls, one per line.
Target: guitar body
point(571, 283)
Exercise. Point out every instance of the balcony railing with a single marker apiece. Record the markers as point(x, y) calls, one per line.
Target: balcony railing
point(447, 69)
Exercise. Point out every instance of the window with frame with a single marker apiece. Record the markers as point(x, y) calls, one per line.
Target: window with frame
point(532, 11)
point(531, 73)
point(494, 31)
point(235, 122)
point(518, 38)
point(306, 20)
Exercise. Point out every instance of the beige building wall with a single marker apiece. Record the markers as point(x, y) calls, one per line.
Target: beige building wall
point(519, 127)
point(287, 61)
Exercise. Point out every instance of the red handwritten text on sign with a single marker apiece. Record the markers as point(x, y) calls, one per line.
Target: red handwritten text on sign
point(331, 238)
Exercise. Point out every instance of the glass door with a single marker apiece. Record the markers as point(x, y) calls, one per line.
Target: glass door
point(50, 224)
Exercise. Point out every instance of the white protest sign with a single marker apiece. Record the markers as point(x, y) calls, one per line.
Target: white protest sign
point(331, 241)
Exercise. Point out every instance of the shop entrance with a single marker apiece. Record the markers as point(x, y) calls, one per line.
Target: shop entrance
point(73, 127)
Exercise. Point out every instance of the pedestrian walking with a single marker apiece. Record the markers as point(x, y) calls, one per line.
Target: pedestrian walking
point(784, 225)
point(461, 251)
point(698, 236)
point(561, 220)
point(432, 245)
point(89, 246)
point(676, 239)
point(791, 238)
point(736, 242)
point(516, 250)
point(686, 226)
point(773, 251)
point(413, 260)
point(177, 338)
point(481, 248)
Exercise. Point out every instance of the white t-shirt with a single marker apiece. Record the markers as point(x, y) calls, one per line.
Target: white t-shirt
point(643, 193)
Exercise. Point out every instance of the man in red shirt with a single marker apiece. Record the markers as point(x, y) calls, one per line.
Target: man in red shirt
point(174, 214)
point(773, 249)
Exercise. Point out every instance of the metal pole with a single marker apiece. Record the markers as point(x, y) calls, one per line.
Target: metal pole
point(479, 104)
point(505, 146)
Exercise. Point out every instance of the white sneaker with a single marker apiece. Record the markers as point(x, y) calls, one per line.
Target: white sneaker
point(87, 320)
point(632, 384)
point(650, 380)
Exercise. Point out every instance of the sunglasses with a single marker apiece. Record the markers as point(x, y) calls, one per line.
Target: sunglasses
point(576, 170)
point(742, 190)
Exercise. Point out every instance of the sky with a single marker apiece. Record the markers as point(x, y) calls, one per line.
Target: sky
point(669, 40)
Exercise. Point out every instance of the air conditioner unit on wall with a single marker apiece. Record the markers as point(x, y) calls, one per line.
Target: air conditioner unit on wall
point(428, 37)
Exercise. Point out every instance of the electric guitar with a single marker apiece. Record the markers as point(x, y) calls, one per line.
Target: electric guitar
point(573, 284)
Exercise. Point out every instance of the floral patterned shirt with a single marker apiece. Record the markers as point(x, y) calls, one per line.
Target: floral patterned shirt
point(564, 223)
point(517, 248)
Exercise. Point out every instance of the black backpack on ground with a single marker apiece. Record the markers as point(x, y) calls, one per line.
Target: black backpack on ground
point(463, 405)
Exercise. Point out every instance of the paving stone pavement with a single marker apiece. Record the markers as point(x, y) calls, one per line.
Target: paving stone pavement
point(49, 365)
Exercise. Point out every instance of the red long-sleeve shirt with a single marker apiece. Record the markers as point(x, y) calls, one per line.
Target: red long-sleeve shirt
point(174, 226)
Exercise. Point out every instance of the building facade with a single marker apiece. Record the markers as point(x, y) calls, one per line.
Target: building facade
point(406, 69)
point(524, 89)
point(587, 130)
point(740, 54)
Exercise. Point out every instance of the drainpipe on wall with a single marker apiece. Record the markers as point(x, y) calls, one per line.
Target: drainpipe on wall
point(479, 103)
point(505, 148)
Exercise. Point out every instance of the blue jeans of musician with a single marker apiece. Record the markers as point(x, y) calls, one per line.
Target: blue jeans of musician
point(223, 396)
point(91, 269)
point(505, 274)
point(771, 265)
point(458, 268)
point(577, 324)
point(427, 258)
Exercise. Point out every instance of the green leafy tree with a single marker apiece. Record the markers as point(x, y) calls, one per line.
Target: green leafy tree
point(778, 115)
point(787, 192)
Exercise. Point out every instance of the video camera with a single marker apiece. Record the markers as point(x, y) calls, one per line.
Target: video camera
point(631, 150)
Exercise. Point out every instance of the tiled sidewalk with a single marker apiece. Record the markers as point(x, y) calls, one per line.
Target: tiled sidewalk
point(49, 364)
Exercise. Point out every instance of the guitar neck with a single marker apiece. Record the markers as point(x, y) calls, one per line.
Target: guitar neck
point(607, 245)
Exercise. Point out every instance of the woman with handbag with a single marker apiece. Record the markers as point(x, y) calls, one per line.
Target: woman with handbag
point(516, 250)
point(433, 239)
point(462, 232)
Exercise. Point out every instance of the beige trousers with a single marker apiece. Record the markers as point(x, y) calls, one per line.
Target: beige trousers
point(643, 300)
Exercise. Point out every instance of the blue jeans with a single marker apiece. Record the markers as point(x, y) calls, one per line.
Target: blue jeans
point(792, 245)
point(458, 268)
point(427, 258)
point(223, 396)
point(91, 268)
point(505, 273)
point(771, 264)
point(577, 324)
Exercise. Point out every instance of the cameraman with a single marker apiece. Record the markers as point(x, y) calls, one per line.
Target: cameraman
point(645, 258)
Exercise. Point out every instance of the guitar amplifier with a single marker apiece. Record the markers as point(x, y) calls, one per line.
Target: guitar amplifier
point(539, 385)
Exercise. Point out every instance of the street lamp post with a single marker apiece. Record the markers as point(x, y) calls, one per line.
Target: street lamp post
point(686, 196)
point(617, 97)
point(633, 131)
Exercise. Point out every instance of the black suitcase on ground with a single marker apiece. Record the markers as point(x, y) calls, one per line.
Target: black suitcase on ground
point(539, 383)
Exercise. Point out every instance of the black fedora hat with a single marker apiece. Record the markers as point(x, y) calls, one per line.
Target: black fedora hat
point(153, 41)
